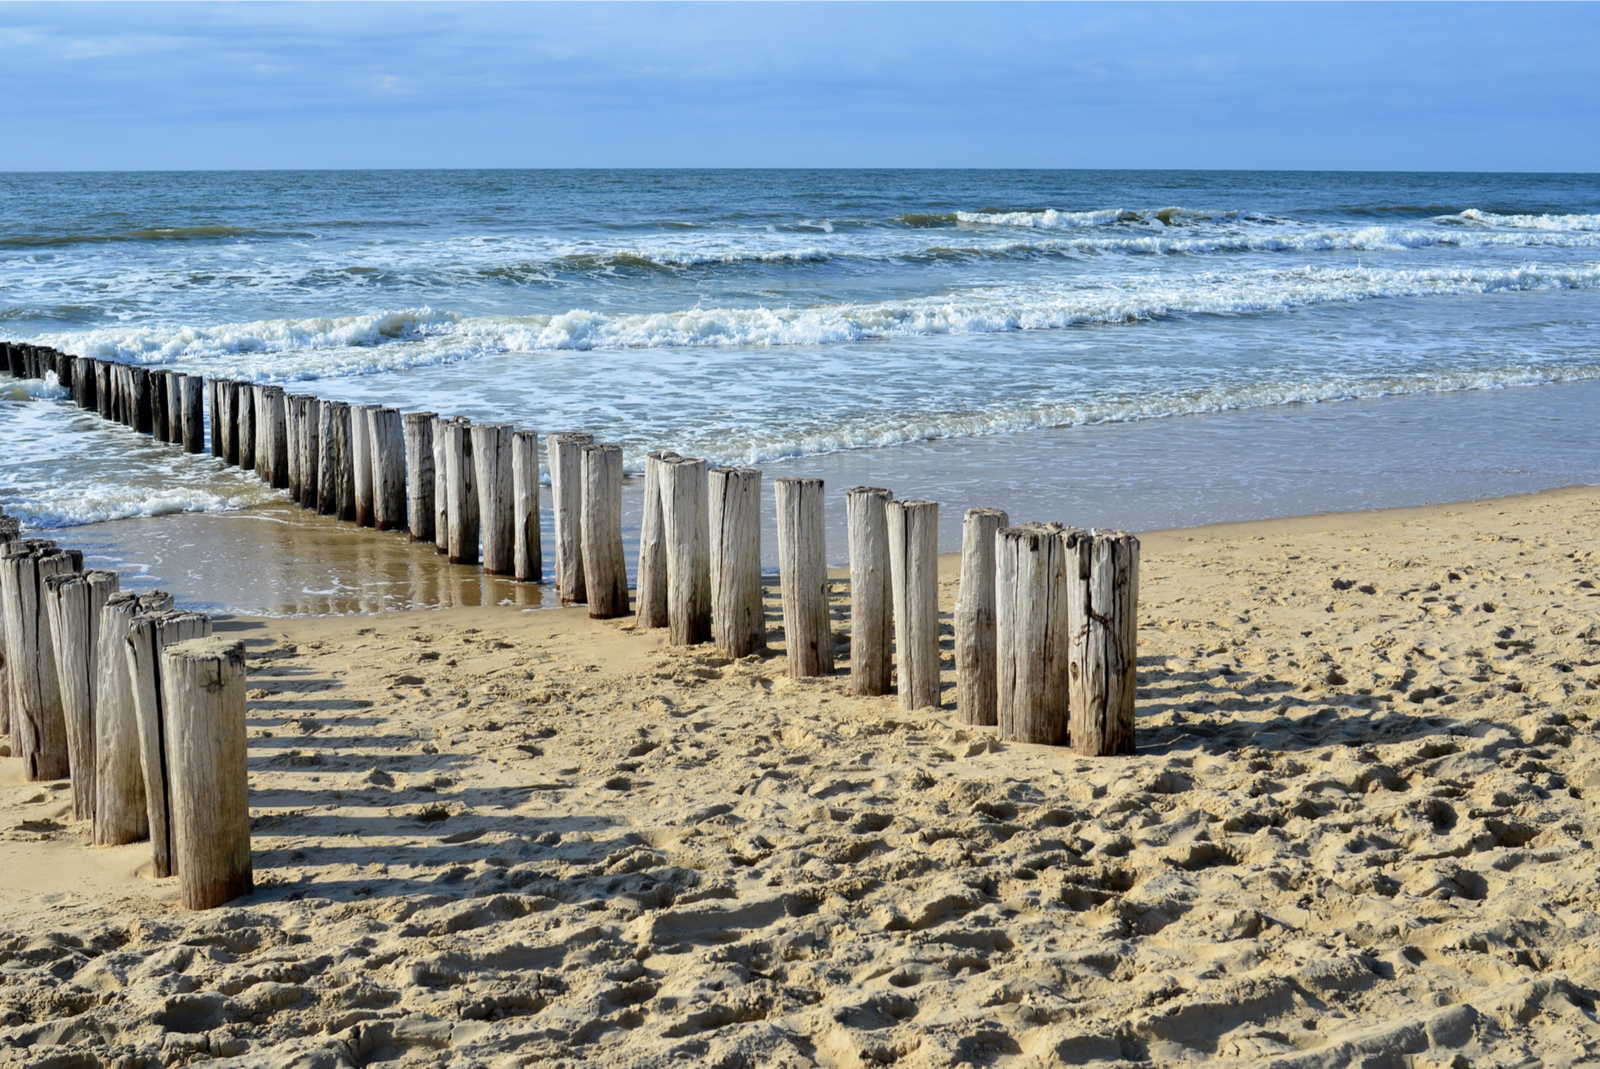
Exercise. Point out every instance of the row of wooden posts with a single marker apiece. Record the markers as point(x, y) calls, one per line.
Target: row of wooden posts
point(1046, 618)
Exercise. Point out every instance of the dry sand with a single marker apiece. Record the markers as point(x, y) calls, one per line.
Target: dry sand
point(1358, 833)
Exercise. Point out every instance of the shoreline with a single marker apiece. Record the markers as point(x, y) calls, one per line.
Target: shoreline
point(1358, 825)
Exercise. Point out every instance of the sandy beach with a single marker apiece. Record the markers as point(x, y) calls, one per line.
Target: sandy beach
point(1358, 832)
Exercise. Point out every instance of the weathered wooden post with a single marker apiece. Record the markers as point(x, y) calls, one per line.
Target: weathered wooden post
point(1103, 656)
point(121, 814)
point(246, 426)
point(275, 417)
point(344, 452)
point(328, 458)
point(605, 571)
point(194, 414)
point(492, 478)
point(213, 413)
point(291, 433)
point(386, 430)
point(84, 382)
point(441, 488)
point(147, 637)
point(361, 447)
point(651, 610)
point(10, 531)
point(976, 667)
point(228, 406)
point(73, 601)
point(142, 414)
point(310, 450)
point(1031, 633)
point(160, 419)
point(525, 481)
point(738, 618)
point(803, 577)
point(871, 591)
point(204, 684)
point(102, 392)
point(914, 565)
point(462, 492)
point(686, 527)
point(418, 429)
point(38, 721)
point(565, 454)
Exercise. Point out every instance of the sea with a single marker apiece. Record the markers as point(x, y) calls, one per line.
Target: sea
point(1138, 349)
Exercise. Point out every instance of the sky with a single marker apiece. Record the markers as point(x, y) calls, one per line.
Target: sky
point(1436, 86)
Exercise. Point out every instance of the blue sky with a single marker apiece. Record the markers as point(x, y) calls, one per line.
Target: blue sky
point(1401, 86)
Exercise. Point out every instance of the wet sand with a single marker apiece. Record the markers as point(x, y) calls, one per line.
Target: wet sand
point(1358, 832)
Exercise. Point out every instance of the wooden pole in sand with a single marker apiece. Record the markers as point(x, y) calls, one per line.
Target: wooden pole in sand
point(1102, 658)
point(441, 488)
point(160, 421)
point(976, 671)
point(738, 618)
point(344, 479)
point(914, 566)
point(275, 414)
point(310, 450)
point(1031, 634)
point(462, 494)
point(291, 434)
point(194, 413)
point(172, 406)
point(246, 426)
point(871, 591)
point(38, 721)
point(328, 458)
point(652, 582)
point(10, 531)
point(204, 681)
point(227, 428)
point(565, 454)
point(418, 429)
point(214, 414)
point(686, 528)
point(529, 551)
point(492, 478)
point(262, 429)
point(605, 571)
point(122, 814)
point(361, 449)
point(386, 431)
point(803, 577)
point(147, 637)
point(73, 601)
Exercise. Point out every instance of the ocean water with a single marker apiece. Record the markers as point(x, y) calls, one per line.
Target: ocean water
point(773, 317)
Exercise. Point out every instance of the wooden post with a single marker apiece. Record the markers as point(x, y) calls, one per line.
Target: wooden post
point(227, 427)
point(38, 722)
point(441, 488)
point(386, 432)
point(738, 618)
point(418, 430)
point(291, 434)
point(361, 447)
point(914, 565)
point(565, 454)
point(652, 583)
point(492, 479)
point(803, 576)
point(213, 413)
point(1031, 635)
point(84, 382)
point(246, 426)
point(275, 419)
point(976, 667)
point(1103, 657)
point(142, 414)
point(194, 413)
point(605, 569)
point(10, 531)
point(204, 681)
point(525, 483)
point(147, 637)
point(102, 383)
point(344, 478)
point(871, 591)
point(160, 421)
point(310, 449)
point(122, 814)
point(73, 601)
point(328, 458)
point(462, 494)
point(686, 527)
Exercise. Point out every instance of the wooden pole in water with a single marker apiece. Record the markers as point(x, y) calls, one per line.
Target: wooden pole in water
point(172, 406)
point(914, 565)
point(386, 430)
point(38, 721)
point(652, 583)
point(361, 448)
point(73, 601)
point(160, 421)
point(214, 414)
point(227, 428)
point(605, 570)
point(803, 575)
point(492, 478)
point(462, 494)
point(102, 383)
point(275, 423)
point(738, 618)
point(686, 528)
point(418, 430)
point(147, 637)
point(83, 382)
point(565, 454)
point(441, 488)
point(871, 591)
point(976, 667)
point(246, 424)
point(327, 501)
point(525, 481)
point(204, 681)
point(194, 413)
point(122, 814)
point(1103, 657)
point(10, 531)
point(310, 450)
point(1031, 635)
point(344, 480)
point(291, 434)
point(142, 414)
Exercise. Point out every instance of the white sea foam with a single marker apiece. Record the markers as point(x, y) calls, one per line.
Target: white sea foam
point(1525, 222)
